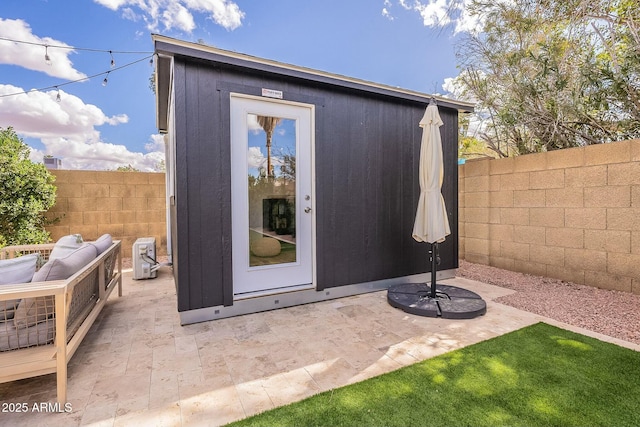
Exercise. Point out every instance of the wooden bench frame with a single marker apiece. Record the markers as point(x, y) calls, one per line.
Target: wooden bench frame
point(69, 333)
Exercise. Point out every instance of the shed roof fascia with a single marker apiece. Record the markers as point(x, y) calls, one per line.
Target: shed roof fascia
point(170, 46)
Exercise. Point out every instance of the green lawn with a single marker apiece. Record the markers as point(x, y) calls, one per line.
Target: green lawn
point(537, 376)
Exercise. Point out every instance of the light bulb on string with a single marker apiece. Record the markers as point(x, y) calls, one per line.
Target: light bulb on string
point(113, 61)
point(58, 98)
point(47, 59)
point(106, 79)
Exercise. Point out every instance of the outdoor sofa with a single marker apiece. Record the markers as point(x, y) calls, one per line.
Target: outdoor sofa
point(50, 295)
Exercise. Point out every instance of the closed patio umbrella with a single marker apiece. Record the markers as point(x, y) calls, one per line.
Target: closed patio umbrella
point(431, 223)
point(432, 226)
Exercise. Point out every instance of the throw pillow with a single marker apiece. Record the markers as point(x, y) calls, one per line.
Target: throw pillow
point(67, 266)
point(33, 310)
point(66, 245)
point(102, 243)
point(15, 271)
point(18, 270)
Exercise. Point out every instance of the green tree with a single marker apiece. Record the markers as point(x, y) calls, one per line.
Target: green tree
point(26, 193)
point(552, 74)
point(127, 168)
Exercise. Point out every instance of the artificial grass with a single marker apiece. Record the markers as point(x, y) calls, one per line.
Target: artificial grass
point(536, 376)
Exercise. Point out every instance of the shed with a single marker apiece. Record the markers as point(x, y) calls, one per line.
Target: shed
point(288, 185)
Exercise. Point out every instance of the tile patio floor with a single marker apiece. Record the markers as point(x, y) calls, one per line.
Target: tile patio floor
point(138, 366)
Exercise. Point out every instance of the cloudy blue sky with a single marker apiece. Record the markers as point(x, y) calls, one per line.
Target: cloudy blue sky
point(405, 43)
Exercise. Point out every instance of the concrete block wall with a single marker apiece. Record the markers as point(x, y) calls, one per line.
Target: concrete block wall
point(127, 205)
point(571, 214)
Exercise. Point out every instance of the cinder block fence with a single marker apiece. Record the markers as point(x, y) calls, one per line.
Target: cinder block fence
point(572, 214)
point(127, 205)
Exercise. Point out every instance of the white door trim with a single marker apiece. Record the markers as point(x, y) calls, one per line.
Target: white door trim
point(240, 104)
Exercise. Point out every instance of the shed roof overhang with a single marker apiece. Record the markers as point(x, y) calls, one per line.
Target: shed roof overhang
point(166, 48)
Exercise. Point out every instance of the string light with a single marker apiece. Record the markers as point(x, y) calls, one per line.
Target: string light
point(47, 59)
point(138, 52)
point(106, 79)
point(58, 98)
point(78, 80)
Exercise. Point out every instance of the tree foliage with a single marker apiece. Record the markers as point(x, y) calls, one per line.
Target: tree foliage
point(552, 74)
point(26, 193)
point(127, 168)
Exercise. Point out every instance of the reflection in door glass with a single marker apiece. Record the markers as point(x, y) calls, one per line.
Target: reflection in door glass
point(272, 190)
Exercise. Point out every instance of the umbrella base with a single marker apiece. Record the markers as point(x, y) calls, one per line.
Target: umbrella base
point(451, 302)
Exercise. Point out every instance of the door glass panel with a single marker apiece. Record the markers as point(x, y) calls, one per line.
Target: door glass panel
point(271, 162)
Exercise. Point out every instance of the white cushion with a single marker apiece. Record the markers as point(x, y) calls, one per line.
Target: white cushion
point(15, 271)
point(66, 245)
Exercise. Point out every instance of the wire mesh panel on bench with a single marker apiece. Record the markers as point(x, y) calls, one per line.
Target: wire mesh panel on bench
point(37, 326)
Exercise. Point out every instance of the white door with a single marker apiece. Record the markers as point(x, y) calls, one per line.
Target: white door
point(271, 196)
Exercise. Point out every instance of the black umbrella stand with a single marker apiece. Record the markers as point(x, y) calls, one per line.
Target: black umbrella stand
point(437, 300)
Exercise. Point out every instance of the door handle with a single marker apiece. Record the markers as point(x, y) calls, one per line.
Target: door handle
point(307, 209)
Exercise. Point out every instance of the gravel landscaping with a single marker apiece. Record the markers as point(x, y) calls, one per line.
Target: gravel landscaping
point(608, 312)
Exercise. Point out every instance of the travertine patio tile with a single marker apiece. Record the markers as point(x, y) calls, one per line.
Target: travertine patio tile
point(401, 355)
point(245, 368)
point(290, 387)
point(381, 366)
point(126, 406)
point(331, 373)
point(99, 415)
point(254, 397)
point(163, 391)
point(138, 366)
point(359, 354)
point(119, 389)
point(212, 408)
point(169, 415)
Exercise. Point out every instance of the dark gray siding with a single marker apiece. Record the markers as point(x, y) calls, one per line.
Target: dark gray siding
point(367, 149)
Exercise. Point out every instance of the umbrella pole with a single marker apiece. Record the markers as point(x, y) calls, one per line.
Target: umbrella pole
point(432, 253)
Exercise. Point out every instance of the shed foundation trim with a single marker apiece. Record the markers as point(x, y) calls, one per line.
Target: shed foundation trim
point(290, 299)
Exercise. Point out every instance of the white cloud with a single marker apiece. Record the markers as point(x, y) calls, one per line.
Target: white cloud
point(440, 13)
point(467, 23)
point(253, 125)
point(178, 13)
point(32, 56)
point(37, 114)
point(67, 129)
point(77, 154)
point(112, 4)
point(223, 12)
point(434, 13)
point(255, 158)
point(156, 143)
point(385, 10)
point(453, 86)
point(128, 13)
